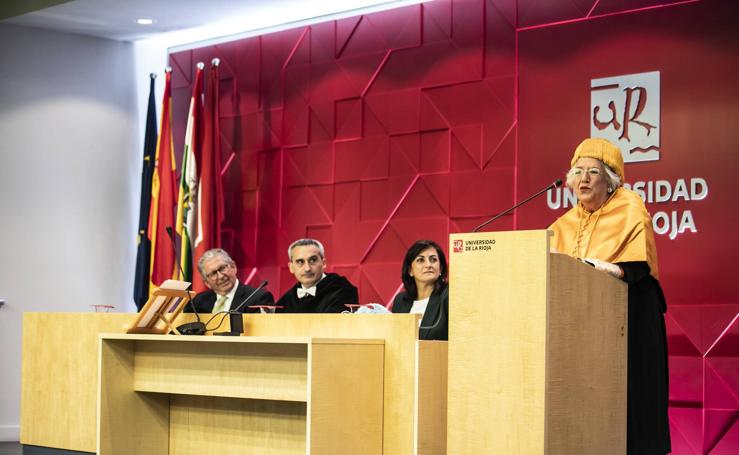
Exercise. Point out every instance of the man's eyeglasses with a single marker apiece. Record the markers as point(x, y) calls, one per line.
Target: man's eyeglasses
point(222, 270)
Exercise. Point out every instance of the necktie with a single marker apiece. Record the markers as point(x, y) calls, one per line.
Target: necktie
point(220, 304)
point(303, 292)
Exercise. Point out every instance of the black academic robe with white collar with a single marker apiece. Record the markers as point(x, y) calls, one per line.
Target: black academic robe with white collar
point(333, 292)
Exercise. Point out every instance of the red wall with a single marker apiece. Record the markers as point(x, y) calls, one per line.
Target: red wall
point(371, 132)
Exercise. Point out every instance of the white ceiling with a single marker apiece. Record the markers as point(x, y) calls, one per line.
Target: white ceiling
point(177, 22)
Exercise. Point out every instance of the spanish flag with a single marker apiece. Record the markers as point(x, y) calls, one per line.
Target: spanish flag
point(163, 197)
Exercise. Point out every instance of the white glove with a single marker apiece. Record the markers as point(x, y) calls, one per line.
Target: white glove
point(603, 266)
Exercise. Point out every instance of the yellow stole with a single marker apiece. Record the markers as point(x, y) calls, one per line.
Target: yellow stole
point(619, 231)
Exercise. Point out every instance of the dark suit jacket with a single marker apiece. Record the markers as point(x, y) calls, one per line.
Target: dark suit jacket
point(205, 301)
point(435, 322)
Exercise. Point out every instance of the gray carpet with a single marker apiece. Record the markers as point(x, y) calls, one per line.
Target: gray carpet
point(10, 448)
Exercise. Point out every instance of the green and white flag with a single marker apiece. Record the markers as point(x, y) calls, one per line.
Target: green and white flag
point(187, 207)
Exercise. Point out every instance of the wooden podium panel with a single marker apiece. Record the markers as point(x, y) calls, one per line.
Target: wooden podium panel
point(537, 349)
point(60, 368)
point(276, 370)
point(59, 377)
point(225, 402)
point(208, 425)
point(400, 332)
point(430, 398)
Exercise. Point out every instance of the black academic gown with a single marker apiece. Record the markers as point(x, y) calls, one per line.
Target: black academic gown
point(435, 321)
point(648, 428)
point(332, 293)
point(205, 300)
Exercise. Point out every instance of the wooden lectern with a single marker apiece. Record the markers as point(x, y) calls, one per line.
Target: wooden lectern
point(537, 350)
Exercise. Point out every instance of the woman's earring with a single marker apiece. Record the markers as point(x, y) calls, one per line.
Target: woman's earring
point(610, 190)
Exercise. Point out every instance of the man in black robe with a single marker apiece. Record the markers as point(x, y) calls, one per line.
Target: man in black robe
point(315, 291)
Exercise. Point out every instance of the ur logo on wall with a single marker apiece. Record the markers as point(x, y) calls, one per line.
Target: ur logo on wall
point(625, 110)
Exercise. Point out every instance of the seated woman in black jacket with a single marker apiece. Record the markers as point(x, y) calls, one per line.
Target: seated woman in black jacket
point(424, 275)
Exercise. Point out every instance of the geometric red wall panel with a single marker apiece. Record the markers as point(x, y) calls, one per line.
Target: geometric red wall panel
point(374, 131)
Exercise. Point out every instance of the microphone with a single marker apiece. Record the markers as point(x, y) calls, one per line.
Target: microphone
point(551, 186)
point(237, 323)
point(191, 328)
point(248, 297)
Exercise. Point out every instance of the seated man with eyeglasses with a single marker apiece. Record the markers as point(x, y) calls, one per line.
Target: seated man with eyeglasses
point(225, 292)
point(315, 291)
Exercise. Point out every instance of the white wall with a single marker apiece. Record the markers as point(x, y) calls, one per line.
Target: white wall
point(70, 164)
point(149, 57)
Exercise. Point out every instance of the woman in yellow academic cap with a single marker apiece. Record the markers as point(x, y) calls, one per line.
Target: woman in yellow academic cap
point(611, 229)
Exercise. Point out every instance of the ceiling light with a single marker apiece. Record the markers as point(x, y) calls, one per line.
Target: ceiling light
point(144, 21)
point(270, 17)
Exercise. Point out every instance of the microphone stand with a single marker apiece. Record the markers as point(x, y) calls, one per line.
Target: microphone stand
point(235, 317)
point(551, 186)
point(190, 328)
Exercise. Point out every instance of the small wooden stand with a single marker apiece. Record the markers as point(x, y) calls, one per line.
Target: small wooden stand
point(163, 307)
